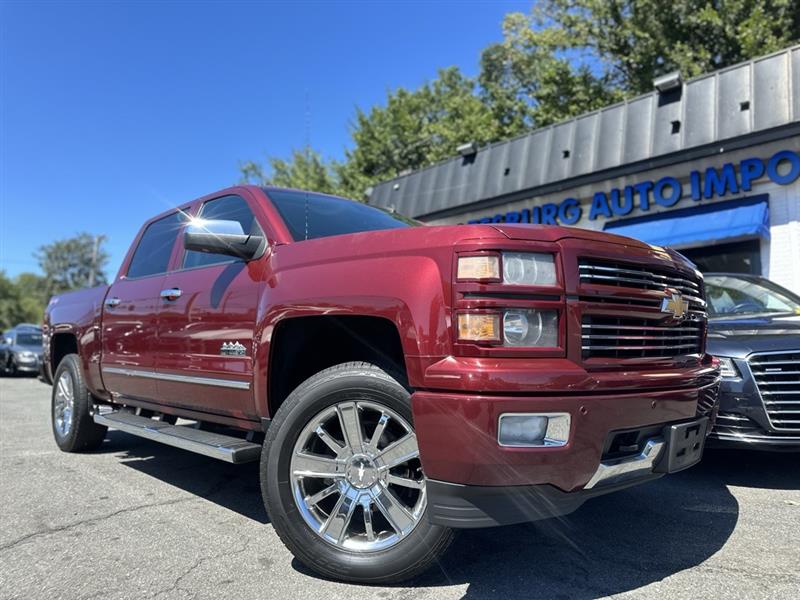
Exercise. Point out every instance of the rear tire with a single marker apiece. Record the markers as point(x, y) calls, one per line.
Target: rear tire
point(373, 516)
point(73, 427)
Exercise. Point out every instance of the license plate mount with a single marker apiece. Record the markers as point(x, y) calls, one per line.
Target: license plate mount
point(685, 444)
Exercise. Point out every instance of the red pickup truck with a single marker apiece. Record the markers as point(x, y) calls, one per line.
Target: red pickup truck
point(395, 381)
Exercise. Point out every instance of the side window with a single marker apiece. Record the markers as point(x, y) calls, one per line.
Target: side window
point(228, 208)
point(152, 254)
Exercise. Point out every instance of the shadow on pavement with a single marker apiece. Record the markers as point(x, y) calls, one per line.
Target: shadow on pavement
point(753, 468)
point(235, 487)
point(613, 544)
point(618, 542)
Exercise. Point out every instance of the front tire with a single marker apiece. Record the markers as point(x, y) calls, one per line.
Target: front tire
point(73, 427)
point(342, 480)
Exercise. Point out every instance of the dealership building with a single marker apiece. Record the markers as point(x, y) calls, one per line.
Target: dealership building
point(709, 166)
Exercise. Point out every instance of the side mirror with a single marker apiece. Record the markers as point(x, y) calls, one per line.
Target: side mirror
point(223, 237)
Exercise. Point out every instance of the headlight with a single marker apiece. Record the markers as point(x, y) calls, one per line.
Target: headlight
point(521, 328)
point(530, 328)
point(527, 268)
point(727, 368)
point(26, 356)
point(519, 268)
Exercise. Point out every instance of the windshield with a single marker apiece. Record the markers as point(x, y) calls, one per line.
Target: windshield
point(308, 215)
point(730, 295)
point(29, 339)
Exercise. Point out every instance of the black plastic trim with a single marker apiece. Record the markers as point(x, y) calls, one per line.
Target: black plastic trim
point(469, 507)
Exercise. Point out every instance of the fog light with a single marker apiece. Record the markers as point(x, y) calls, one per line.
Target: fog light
point(533, 430)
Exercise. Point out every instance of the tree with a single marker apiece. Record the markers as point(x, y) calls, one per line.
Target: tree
point(305, 170)
point(415, 129)
point(32, 290)
point(529, 81)
point(566, 58)
point(72, 263)
point(11, 309)
point(634, 41)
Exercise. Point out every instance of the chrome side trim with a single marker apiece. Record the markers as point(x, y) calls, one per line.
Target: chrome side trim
point(629, 468)
point(148, 374)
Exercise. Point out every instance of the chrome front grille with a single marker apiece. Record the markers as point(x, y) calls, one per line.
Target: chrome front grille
point(643, 277)
point(777, 375)
point(624, 337)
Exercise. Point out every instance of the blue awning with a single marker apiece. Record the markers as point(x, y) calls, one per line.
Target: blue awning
point(703, 224)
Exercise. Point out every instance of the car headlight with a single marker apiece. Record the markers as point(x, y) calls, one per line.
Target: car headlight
point(519, 268)
point(521, 328)
point(528, 268)
point(727, 368)
point(530, 328)
point(26, 356)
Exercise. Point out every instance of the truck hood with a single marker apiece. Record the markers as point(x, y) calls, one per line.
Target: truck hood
point(737, 338)
point(554, 233)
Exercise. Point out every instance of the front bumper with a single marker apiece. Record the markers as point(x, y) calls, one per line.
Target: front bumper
point(743, 421)
point(465, 506)
point(457, 434)
point(29, 366)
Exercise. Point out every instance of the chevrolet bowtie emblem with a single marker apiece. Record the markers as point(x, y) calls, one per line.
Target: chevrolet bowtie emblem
point(675, 305)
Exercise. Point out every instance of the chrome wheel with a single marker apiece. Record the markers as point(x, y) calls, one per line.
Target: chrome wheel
point(356, 476)
point(63, 404)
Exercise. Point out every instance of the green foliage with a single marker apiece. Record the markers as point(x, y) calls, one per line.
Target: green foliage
point(21, 300)
point(33, 295)
point(638, 40)
point(11, 310)
point(566, 58)
point(72, 263)
point(67, 265)
point(529, 81)
point(305, 170)
point(414, 129)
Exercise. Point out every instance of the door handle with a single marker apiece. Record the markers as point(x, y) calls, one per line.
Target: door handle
point(112, 302)
point(171, 294)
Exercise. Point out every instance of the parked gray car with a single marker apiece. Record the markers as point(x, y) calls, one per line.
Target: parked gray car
point(754, 329)
point(21, 350)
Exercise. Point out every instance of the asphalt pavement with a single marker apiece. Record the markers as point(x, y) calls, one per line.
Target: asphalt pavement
point(136, 519)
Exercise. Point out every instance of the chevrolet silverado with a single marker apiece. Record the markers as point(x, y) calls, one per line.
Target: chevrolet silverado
point(395, 381)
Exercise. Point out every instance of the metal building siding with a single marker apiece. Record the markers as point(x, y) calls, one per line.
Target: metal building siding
point(795, 81)
point(609, 146)
point(582, 161)
point(760, 94)
point(771, 99)
point(734, 116)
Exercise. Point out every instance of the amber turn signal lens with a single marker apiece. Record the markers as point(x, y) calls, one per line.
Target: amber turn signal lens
point(479, 267)
point(479, 327)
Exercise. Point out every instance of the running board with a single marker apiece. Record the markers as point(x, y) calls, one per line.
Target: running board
point(224, 447)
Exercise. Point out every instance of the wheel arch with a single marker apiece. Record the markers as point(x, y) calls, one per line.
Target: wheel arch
point(301, 346)
point(62, 343)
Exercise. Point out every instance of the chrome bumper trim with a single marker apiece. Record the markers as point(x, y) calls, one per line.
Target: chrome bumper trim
point(149, 374)
point(629, 468)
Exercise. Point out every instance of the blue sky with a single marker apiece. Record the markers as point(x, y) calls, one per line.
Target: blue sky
point(113, 112)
